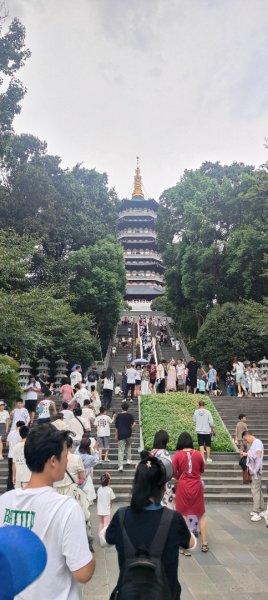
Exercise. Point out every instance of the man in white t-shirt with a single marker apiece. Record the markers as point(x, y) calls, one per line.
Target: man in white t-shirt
point(57, 520)
point(76, 376)
point(88, 414)
point(67, 413)
point(254, 464)
point(80, 394)
point(102, 423)
point(20, 471)
point(131, 380)
point(20, 413)
point(32, 391)
point(45, 409)
point(78, 425)
point(13, 438)
point(239, 370)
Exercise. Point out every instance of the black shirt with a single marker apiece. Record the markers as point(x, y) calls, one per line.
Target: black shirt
point(141, 527)
point(123, 424)
point(192, 367)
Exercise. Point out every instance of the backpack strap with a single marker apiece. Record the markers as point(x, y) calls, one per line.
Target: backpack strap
point(84, 429)
point(160, 538)
point(129, 549)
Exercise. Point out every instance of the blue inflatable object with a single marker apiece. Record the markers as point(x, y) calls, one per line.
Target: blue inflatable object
point(23, 558)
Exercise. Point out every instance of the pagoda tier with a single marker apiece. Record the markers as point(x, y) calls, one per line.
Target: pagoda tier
point(137, 234)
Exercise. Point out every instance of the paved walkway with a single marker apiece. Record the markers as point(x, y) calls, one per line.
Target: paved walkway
point(236, 566)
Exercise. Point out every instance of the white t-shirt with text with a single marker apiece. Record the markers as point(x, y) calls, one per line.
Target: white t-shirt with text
point(13, 438)
point(23, 474)
point(103, 422)
point(4, 415)
point(60, 523)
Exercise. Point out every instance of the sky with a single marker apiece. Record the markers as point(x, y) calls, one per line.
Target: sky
point(176, 82)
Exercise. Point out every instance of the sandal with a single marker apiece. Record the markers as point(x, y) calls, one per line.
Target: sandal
point(204, 547)
point(186, 552)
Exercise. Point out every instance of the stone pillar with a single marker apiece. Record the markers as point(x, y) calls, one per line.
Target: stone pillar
point(61, 371)
point(43, 365)
point(25, 372)
point(263, 364)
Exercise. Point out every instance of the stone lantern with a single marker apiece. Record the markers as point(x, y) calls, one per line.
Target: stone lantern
point(263, 364)
point(246, 363)
point(61, 371)
point(24, 373)
point(43, 365)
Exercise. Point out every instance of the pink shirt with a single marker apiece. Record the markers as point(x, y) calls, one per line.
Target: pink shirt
point(66, 391)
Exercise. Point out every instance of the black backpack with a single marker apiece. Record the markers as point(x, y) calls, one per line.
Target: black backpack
point(92, 377)
point(144, 577)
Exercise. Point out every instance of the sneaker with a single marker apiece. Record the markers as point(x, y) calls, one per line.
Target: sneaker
point(120, 469)
point(256, 517)
point(131, 400)
point(107, 460)
point(129, 462)
point(1, 458)
point(263, 513)
point(209, 459)
point(253, 512)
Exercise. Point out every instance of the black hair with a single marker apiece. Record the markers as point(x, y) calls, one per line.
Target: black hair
point(201, 403)
point(84, 446)
point(77, 411)
point(23, 431)
point(20, 424)
point(246, 433)
point(124, 406)
point(19, 400)
point(86, 402)
point(93, 387)
point(185, 440)
point(65, 405)
point(109, 374)
point(241, 416)
point(42, 443)
point(64, 380)
point(161, 439)
point(69, 442)
point(102, 410)
point(148, 483)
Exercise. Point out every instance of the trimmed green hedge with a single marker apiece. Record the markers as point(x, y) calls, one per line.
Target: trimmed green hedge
point(174, 413)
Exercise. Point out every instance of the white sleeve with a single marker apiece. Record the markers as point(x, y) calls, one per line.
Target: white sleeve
point(75, 543)
point(112, 495)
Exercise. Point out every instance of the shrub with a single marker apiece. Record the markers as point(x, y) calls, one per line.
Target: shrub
point(9, 386)
point(174, 413)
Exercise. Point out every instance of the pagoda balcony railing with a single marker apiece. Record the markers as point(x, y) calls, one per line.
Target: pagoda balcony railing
point(137, 233)
point(151, 277)
point(132, 212)
point(143, 254)
point(150, 284)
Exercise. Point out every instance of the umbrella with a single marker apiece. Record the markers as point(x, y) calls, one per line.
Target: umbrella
point(140, 361)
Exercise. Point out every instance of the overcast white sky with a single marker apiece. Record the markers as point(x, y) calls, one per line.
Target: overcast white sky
point(177, 82)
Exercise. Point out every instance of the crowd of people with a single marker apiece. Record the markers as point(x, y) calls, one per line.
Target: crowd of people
point(52, 454)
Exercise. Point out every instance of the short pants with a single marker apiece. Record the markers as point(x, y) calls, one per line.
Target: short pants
point(104, 442)
point(204, 439)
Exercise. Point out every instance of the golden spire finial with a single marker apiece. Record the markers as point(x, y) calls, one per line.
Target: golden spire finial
point(137, 181)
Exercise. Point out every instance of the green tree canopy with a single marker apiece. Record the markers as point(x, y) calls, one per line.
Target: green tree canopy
point(234, 330)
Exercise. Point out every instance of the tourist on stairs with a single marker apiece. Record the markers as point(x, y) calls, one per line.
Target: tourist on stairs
point(188, 465)
point(203, 421)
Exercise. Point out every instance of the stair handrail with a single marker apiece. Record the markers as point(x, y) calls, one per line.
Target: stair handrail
point(108, 355)
point(184, 348)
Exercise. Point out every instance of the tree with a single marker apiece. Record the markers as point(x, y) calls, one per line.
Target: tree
point(13, 55)
point(9, 386)
point(16, 256)
point(234, 330)
point(34, 323)
point(213, 230)
point(98, 282)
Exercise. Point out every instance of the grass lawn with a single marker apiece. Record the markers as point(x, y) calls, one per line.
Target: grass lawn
point(174, 413)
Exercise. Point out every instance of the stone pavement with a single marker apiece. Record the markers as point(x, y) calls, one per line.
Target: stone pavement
point(235, 567)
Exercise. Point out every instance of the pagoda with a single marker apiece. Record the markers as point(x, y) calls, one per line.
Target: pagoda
point(137, 234)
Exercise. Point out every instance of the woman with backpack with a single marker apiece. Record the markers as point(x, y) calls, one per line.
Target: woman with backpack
point(147, 537)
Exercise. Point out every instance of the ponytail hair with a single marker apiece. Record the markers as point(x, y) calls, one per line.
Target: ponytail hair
point(148, 483)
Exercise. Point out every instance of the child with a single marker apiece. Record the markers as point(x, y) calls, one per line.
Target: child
point(201, 386)
point(230, 384)
point(105, 495)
